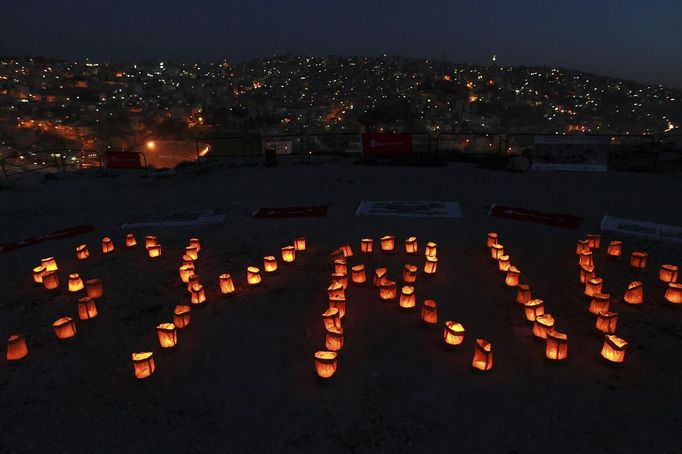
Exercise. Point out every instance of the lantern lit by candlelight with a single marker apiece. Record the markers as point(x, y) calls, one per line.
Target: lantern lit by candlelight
point(75, 283)
point(583, 246)
point(614, 348)
point(143, 364)
point(337, 254)
point(492, 239)
point(288, 254)
point(185, 272)
point(387, 243)
point(341, 278)
point(16, 347)
point(542, 325)
point(198, 294)
point(667, 273)
point(379, 276)
point(483, 355)
point(522, 293)
point(347, 250)
point(335, 290)
point(512, 279)
point(299, 244)
point(593, 286)
point(358, 275)
point(154, 251)
point(615, 248)
point(453, 334)
point(191, 251)
point(64, 328)
point(187, 261)
point(594, 240)
point(331, 318)
point(252, 275)
point(557, 346)
point(431, 249)
point(269, 264)
point(429, 314)
point(504, 263)
point(50, 264)
point(533, 309)
point(87, 308)
point(339, 304)
point(409, 273)
point(149, 240)
point(226, 284)
point(334, 339)
point(587, 273)
point(635, 293)
point(411, 246)
point(366, 245)
point(431, 264)
point(496, 251)
point(407, 298)
point(50, 280)
point(340, 266)
point(131, 241)
point(674, 293)
point(181, 317)
point(586, 259)
point(38, 272)
point(167, 334)
point(388, 290)
point(107, 245)
point(94, 288)
point(606, 322)
point(599, 303)
point(82, 252)
point(191, 282)
point(325, 363)
point(638, 260)
point(195, 243)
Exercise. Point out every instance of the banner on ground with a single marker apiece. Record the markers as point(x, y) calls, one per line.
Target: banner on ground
point(564, 221)
point(380, 145)
point(410, 209)
point(642, 229)
point(291, 212)
point(58, 235)
point(571, 153)
point(186, 218)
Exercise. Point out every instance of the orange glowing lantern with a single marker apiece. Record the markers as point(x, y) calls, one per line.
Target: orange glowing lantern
point(409, 273)
point(38, 273)
point(185, 272)
point(149, 240)
point(674, 293)
point(483, 355)
point(335, 291)
point(388, 290)
point(107, 245)
point(341, 278)
point(16, 347)
point(587, 273)
point(191, 282)
point(94, 288)
point(337, 254)
point(334, 339)
point(503, 263)
point(453, 334)
point(492, 239)
point(523, 293)
point(154, 251)
point(557, 346)
point(131, 241)
point(606, 322)
point(431, 264)
point(542, 325)
point(50, 280)
point(496, 251)
point(387, 243)
point(50, 264)
point(325, 363)
point(594, 240)
point(411, 246)
point(593, 286)
point(512, 279)
point(339, 304)
point(600, 303)
point(366, 245)
point(195, 243)
point(82, 252)
point(226, 284)
point(269, 264)
point(181, 316)
point(638, 260)
point(288, 254)
point(75, 283)
point(87, 308)
point(614, 348)
point(667, 273)
point(379, 276)
point(198, 294)
point(331, 318)
point(533, 309)
point(431, 249)
point(586, 259)
point(407, 298)
point(635, 293)
point(187, 260)
point(64, 328)
point(583, 246)
point(191, 251)
point(615, 248)
point(167, 334)
point(429, 314)
point(299, 244)
point(358, 275)
point(143, 364)
point(347, 250)
point(340, 266)
point(252, 275)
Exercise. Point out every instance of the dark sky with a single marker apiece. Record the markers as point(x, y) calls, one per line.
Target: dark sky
point(635, 39)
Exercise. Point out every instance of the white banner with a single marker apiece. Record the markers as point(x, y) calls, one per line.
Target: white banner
point(415, 209)
point(643, 229)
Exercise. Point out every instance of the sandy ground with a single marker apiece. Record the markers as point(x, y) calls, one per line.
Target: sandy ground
point(242, 376)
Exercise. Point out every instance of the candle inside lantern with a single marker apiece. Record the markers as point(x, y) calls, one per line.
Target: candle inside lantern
point(75, 283)
point(269, 264)
point(673, 294)
point(167, 334)
point(634, 293)
point(533, 309)
point(586, 259)
point(453, 334)
point(667, 273)
point(557, 346)
point(331, 318)
point(339, 304)
point(431, 265)
point(38, 272)
point(358, 275)
point(347, 250)
point(583, 246)
point(288, 254)
point(615, 248)
point(143, 364)
point(195, 243)
point(149, 240)
point(191, 282)
point(336, 290)
point(131, 241)
point(366, 245)
point(185, 272)
point(512, 279)
point(87, 308)
point(50, 264)
point(483, 355)
point(340, 266)
point(542, 325)
point(594, 240)
point(334, 339)
point(107, 245)
point(50, 280)
point(407, 298)
point(638, 260)
point(82, 252)
point(379, 276)
point(198, 294)
point(94, 288)
point(387, 243)
point(496, 251)
point(614, 348)
point(226, 284)
point(16, 347)
point(587, 273)
point(523, 293)
point(154, 251)
point(599, 303)
point(299, 244)
point(191, 251)
point(593, 286)
point(429, 313)
point(181, 316)
point(503, 263)
point(341, 278)
point(253, 275)
point(325, 363)
point(606, 322)
point(409, 273)
point(388, 290)
point(187, 261)
point(492, 239)
point(411, 246)
point(431, 249)
point(64, 328)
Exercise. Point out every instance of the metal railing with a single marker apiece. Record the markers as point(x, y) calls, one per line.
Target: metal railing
point(50, 159)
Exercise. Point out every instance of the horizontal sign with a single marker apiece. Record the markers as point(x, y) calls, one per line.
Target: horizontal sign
point(416, 209)
point(186, 218)
point(291, 212)
point(570, 153)
point(642, 229)
point(380, 144)
point(564, 221)
point(122, 160)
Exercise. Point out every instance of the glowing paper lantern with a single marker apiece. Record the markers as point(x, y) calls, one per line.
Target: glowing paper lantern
point(587, 273)
point(94, 288)
point(408, 299)
point(512, 279)
point(50, 280)
point(615, 248)
point(340, 266)
point(181, 316)
point(523, 293)
point(409, 273)
point(187, 261)
point(496, 251)
point(191, 282)
point(143, 364)
point(339, 304)
point(483, 355)
point(50, 264)
point(331, 318)
point(334, 339)
point(379, 276)
point(635, 293)
point(594, 240)
point(586, 259)
point(431, 249)
point(198, 294)
point(226, 284)
point(288, 254)
point(431, 265)
point(325, 363)
point(82, 252)
point(347, 250)
point(533, 309)
point(667, 273)
point(429, 313)
point(335, 291)
point(154, 251)
point(195, 243)
point(606, 322)
point(269, 264)
point(583, 246)
point(64, 328)
point(185, 272)
point(388, 290)
point(149, 240)
point(674, 293)
point(38, 273)
point(253, 275)
point(107, 245)
point(16, 347)
point(614, 348)
point(366, 245)
point(638, 260)
point(411, 246)
point(167, 334)
point(341, 278)
point(557, 346)
point(453, 334)
point(75, 283)
point(299, 244)
point(337, 254)
point(358, 275)
point(86, 308)
point(387, 243)
point(131, 241)
point(503, 263)
point(492, 239)
point(599, 303)
point(593, 286)
point(191, 251)
point(542, 325)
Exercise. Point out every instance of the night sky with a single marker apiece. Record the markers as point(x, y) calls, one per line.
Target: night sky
point(634, 39)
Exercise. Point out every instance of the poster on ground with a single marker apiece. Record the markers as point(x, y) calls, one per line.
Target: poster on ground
point(411, 209)
point(570, 153)
point(641, 229)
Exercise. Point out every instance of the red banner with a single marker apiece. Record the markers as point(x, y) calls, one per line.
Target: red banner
point(58, 235)
point(122, 160)
point(381, 144)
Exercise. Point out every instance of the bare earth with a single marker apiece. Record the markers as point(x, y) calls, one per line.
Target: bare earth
point(242, 379)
